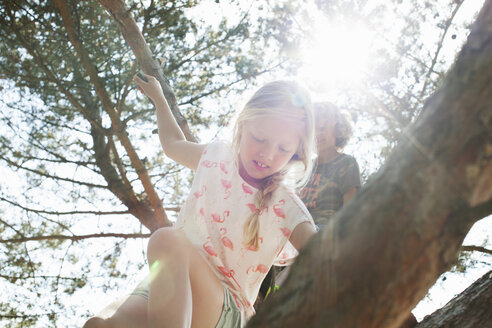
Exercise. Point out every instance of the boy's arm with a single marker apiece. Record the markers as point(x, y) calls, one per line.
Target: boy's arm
point(349, 195)
point(172, 138)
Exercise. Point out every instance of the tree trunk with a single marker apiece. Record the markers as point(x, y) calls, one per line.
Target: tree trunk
point(471, 309)
point(383, 251)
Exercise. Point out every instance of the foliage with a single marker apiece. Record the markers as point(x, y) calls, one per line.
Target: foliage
point(412, 45)
point(71, 180)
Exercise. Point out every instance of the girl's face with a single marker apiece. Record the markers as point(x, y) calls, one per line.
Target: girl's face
point(266, 146)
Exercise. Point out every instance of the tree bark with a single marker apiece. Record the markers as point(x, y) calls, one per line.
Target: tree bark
point(383, 251)
point(151, 66)
point(160, 217)
point(470, 309)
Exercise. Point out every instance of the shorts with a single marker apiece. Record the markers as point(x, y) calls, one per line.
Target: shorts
point(229, 318)
point(231, 315)
point(142, 289)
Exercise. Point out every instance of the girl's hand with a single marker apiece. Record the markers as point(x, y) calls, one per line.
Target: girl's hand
point(151, 88)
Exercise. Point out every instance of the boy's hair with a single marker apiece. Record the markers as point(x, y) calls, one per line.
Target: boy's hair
point(285, 99)
point(342, 129)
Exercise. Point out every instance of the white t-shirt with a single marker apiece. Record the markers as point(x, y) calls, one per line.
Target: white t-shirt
point(213, 217)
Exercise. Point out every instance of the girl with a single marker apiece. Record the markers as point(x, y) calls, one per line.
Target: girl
point(239, 218)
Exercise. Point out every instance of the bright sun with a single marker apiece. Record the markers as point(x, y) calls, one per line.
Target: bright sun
point(335, 54)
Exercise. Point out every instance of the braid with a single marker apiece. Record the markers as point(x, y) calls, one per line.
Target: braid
point(262, 198)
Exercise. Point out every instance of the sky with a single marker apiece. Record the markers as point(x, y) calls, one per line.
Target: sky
point(335, 67)
point(331, 69)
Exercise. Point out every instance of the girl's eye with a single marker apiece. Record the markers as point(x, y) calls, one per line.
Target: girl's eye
point(282, 149)
point(257, 139)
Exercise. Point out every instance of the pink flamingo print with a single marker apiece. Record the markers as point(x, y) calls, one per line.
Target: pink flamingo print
point(259, 268)
point(200, 193)
point(223, 167)
point(228, 273)
point(208, 164)
point(227, 185)
point(283, 257)
point(244, 250)
point(225, 240)
point(202, 211)
point(219, 219)
point(238, 303)
point(285, 231)
point(247, 189)
point(253, 208)
point(209, 249)
point(279, 211)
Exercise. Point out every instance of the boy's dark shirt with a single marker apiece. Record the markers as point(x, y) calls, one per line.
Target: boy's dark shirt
point(323, 195)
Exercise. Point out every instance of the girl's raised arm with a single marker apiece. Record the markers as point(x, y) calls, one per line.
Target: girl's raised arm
point(172, 138)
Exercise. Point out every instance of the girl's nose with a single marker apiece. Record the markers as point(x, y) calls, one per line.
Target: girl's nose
point(267, 152)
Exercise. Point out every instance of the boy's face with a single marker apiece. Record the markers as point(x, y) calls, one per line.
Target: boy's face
point(325, 133)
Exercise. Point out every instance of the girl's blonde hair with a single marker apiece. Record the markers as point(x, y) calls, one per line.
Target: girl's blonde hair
point(286, 99)
point(342, 129)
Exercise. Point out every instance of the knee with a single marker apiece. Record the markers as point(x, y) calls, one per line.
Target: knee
point(166, 242)
point(96, 322)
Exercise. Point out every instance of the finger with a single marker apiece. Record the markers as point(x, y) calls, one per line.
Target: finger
point(142, 77)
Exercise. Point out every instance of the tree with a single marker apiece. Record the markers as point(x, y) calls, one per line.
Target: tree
point(469, 309)
point(382, 252)
point(73, 126)
point(409, 55)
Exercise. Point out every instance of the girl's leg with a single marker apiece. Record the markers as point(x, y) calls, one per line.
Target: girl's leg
point(184, 292)
point(132, 313)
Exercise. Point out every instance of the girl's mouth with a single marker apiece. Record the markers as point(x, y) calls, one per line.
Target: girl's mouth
point(260, 166)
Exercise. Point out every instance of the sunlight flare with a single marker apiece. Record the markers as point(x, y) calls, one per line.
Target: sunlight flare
point(335, 53)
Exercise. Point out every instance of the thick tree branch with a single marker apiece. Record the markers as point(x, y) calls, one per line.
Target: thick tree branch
point(101, 147)
point(119, 165)
point(135, 39)
point(381, 253)
point(140, 169)
point(470, 309)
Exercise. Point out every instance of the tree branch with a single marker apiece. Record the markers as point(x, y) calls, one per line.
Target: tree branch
point(439, 47)
point(28, 209)
point(74, 238)
point(140, 169)
point(54, 177)
point(49, 73)
point(405, 227)
point(135, 39)
point(471, 248)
